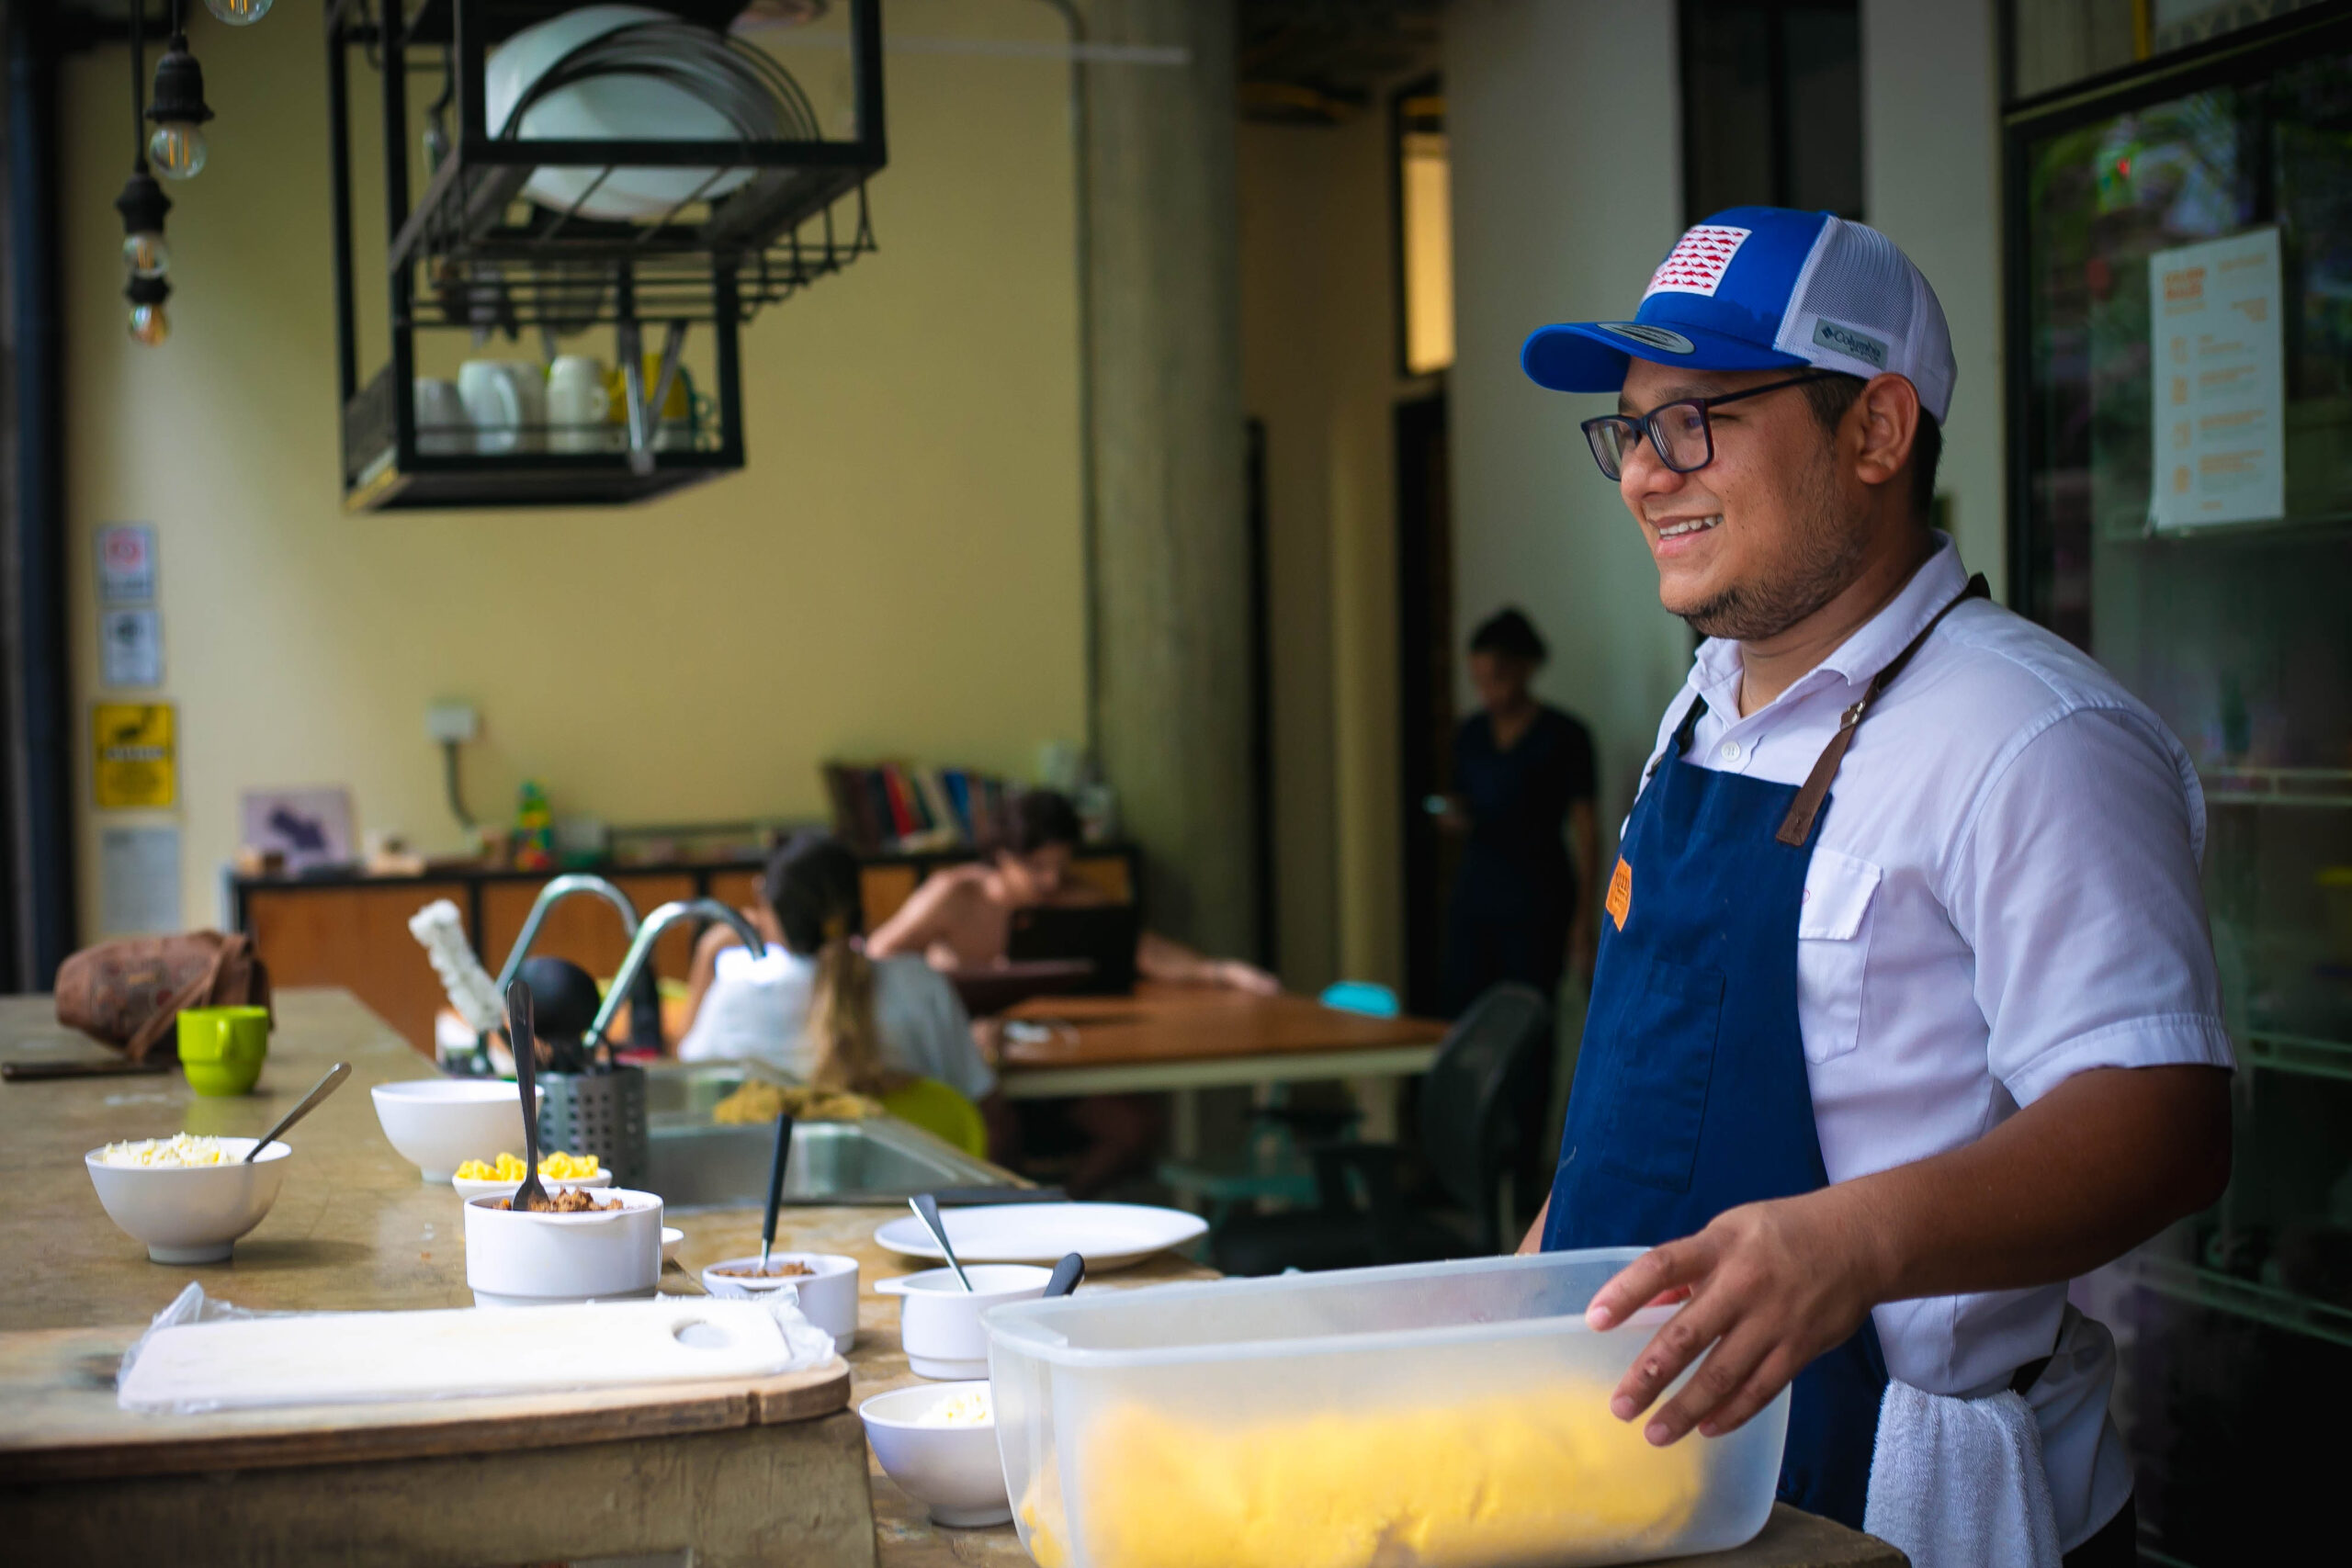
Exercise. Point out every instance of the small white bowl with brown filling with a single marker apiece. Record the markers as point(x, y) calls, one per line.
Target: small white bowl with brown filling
point(825, 1281)
point(600, 1244)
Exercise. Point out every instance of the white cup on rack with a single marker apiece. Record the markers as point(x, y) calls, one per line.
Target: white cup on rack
point(492, 395)
point(442, 421)
point(577, 404)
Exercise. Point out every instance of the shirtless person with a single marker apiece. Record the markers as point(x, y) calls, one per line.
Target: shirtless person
point(961, 917)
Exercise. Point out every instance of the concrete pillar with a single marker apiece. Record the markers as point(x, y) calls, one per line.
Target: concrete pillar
point(1169, 546)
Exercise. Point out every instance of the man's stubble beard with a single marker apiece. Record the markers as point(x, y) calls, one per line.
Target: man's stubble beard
point(1827, 556)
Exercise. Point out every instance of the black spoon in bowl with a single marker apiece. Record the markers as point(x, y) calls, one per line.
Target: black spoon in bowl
point(1066, 1275)
point(532, 1195)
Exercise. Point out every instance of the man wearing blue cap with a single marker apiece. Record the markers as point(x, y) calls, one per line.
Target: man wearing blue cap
point(1905, 1010)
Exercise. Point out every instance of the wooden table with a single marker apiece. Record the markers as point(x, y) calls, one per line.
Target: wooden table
point(1186, 1038)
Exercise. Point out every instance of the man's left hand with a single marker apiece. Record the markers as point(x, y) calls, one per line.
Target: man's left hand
point(1772, 1286)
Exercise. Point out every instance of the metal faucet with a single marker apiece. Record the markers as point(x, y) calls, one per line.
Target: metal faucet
point(640, 948)
point(555, 893)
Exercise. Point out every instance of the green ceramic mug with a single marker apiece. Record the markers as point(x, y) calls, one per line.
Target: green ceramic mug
point(222, 1048)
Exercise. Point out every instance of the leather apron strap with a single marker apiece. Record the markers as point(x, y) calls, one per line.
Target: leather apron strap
point(1796, 828)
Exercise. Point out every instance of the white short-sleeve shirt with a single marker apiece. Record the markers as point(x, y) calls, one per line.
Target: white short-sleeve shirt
point(758, 1008)
point(2004, 894)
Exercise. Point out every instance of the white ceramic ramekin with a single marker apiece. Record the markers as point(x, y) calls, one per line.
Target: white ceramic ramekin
point(526, 1259)
point(828, 1292)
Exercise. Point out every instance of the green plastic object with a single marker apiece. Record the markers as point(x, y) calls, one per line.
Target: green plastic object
point(946, 1114)
point(221, 1049)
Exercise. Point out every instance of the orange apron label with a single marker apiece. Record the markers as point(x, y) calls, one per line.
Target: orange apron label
point(1620, 893)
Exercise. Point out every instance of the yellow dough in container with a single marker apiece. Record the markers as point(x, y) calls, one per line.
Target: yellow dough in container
point(1515, 1476)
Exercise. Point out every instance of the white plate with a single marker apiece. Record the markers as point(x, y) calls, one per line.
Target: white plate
point(671, 1236)
point(1109, 1235)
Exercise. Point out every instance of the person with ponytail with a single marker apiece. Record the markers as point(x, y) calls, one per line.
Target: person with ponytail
point(815, 1005)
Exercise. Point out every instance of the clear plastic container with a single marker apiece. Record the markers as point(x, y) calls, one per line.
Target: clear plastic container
point(1452, 1414)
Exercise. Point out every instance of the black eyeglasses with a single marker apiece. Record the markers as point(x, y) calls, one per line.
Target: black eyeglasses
point(1679, 431)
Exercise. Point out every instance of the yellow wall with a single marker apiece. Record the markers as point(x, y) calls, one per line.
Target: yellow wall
point(1319, 369)
point(897, 570)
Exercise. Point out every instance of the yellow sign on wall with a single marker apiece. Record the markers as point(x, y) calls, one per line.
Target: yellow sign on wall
point(137, 757)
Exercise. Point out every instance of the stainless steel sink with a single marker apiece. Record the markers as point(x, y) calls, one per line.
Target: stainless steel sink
point(696, 1163)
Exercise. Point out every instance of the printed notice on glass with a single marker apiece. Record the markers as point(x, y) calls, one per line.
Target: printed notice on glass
point(139, 880)
point(2215, 370)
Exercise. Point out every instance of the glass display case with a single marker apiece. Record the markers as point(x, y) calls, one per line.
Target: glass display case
point(2180, 408)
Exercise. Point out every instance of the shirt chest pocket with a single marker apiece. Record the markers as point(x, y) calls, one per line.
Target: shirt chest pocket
point(1833, 950)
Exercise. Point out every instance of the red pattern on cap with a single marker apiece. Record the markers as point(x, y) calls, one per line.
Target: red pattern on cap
point(1697, 263)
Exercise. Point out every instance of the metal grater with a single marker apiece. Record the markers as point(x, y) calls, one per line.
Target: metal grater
point(597, 1113)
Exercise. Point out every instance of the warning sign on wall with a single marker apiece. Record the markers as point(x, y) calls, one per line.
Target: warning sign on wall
point(137, 762)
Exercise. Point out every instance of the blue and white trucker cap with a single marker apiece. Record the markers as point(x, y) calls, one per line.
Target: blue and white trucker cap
point(1758, 289)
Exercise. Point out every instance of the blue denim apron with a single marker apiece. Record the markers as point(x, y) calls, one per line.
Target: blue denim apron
point(1690, 1094)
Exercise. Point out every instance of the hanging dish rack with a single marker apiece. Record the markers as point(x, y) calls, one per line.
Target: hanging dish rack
point(528, 226)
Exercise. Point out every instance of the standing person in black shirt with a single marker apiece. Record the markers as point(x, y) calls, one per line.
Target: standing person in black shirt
point(1523, 783)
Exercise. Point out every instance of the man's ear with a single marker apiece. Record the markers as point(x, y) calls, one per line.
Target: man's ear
point(1883, 423)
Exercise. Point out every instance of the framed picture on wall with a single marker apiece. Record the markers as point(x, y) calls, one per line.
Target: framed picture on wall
point(309, 827)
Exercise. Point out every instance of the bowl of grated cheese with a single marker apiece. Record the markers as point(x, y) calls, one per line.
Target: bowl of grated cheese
point(938, 1442)
point(188, 1198)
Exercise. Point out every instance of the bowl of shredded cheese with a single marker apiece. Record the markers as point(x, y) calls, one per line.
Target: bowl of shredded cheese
point(188, 1198)
point(938, 1442)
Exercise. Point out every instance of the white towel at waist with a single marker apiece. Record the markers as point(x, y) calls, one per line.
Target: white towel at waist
point(1958, 1483)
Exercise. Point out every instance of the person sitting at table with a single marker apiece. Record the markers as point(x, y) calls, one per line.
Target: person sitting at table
point(819, 1006)
point(961, 917)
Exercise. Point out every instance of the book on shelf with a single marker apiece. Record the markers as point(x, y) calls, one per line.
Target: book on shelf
point(893, 807)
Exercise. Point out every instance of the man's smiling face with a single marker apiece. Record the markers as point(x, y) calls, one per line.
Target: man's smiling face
point(1763, 536)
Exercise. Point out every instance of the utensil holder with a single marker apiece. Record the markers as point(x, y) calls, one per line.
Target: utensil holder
point(597, 1113)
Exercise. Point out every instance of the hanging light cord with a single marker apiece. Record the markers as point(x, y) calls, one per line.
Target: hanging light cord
point(138, 86)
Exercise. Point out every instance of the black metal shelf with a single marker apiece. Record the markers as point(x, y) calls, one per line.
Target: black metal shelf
point(473, 252)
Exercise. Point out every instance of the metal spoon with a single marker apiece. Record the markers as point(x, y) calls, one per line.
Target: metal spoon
point(326, 1086)
point(775, 1185)
point(926, 1208)
point(532, 1195)
point(1066, 1274)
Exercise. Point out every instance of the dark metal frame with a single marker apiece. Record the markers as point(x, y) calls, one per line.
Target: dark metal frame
point(2231, 59)
point(35, 762)
point(1778, 130)
point(748, 250)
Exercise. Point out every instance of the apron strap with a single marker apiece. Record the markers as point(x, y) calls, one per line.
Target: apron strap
point(1797, 826)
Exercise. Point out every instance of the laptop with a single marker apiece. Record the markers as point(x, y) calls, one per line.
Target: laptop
point(1104, 935)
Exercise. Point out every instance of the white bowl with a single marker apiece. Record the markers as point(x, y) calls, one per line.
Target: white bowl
point(604, 108)
point(473, 1187)
point(671, 1239)
point(440, 1124)
point(828, 1294)
point(519, 1258)
point(191, 1214)
point(952, 1471)
point(939, 1321)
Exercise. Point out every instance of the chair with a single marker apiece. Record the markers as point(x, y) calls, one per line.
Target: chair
point(1468, 1125)
point(943, 1111)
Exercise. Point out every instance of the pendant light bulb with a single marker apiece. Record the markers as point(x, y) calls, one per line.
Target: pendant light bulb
point(149, 324)
point(146, 254)
point(177, 151)
point(142, 205)
point(238, 13)
point(178, 109)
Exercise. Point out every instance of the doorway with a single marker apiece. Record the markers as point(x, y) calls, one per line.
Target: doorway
point(1424, 688)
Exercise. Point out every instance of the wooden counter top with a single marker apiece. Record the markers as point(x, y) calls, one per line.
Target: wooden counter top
point(355, 1229)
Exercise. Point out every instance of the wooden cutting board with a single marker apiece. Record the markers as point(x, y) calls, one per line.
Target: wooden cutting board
point(59, 1421)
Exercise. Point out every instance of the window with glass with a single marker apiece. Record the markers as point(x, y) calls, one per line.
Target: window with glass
point(2180, 407)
